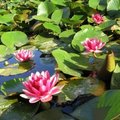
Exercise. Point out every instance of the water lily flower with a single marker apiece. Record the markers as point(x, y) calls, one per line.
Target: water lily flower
point(41, 87)
point(97, 18)
point(23, 55)
point(93, 45)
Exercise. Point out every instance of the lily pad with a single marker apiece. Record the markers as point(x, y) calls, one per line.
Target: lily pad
point(52, 114)
point(53, 27)
point(20, 111)
point(115, 47)
point(5, 103)
point(77, 87)
point(67, 33)
point(87, 33)
point(14, 38)
point(45, 8)
point(13, 69)
point(6, 18)
point(45, 44)
point(12, 86)
point(57, 16)
point(105, 107)
point(72, 63)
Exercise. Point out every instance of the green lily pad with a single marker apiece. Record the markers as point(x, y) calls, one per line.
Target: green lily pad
point(59, 2)
point(87, 33)
point(20, 111)
point(14, 38)
point(12, 86)
point(45, 8)
point(107, 24)
point(57, 16)
point(52, 114)
point(115, 47)
point(72, 63)
point(6, 19)
point(13, 69)
point(5, 103)
point(113, 7)
point(53, 27)
point(66, 33)
point(45, 44)
point(105, 107)
point(77, 87)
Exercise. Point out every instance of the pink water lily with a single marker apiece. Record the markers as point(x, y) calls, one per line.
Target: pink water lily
point(97, 18)
point(93, 45)
point(23, 55)
point(41, 87)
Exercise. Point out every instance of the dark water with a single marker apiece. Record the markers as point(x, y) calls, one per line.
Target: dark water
point(41, 64)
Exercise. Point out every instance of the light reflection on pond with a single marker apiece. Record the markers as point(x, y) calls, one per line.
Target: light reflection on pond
point(41, 63)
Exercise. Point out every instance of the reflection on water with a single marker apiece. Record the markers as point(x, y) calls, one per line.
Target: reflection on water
point(43, 63)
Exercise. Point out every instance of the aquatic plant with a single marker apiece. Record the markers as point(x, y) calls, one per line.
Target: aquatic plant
point(41, 87)
point(23, 55)
point(97, 18)
point(92, 45)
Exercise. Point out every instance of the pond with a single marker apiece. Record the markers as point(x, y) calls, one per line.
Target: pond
point(59, 59)
point(40, 64)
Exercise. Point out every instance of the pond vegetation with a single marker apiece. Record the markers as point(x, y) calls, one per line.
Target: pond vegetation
point(59, 59)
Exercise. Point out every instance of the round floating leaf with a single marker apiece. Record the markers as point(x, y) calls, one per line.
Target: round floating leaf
point(45, 8)
point(14, 38)
point(59, 2)
point(14, 69)
point(57, 16)
point(5, 52)
point(20, 111)
point(72, 63)
point(12, 86)
point(52, 27)
point(115, 47)
point(93, 3)
point(105, 107)
point(66, 33)
point(106, 24)
point(62, 57)
point(52, 114)
point(87, 33)
point(81, 86)
point(45, 44)
point(42, 18)
point(5, 103)
point(6, 18)
point(113, 7)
